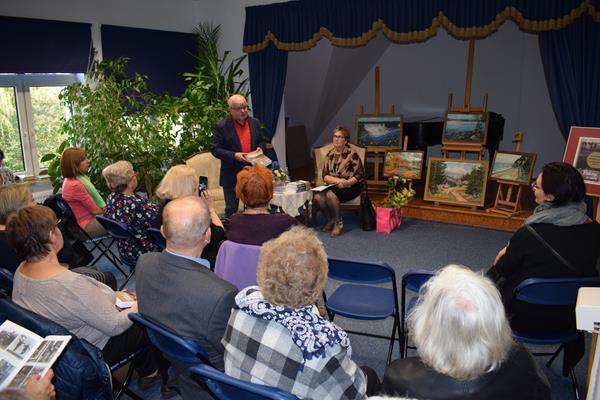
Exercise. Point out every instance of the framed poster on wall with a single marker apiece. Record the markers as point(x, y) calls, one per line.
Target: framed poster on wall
point(583, 152)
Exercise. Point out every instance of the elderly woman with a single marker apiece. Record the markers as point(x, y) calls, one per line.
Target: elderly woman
point(82, 305)
point(557, 241)
point(16, 196)
point(311, 355)
point(79, 192)
point(180, 181)
point(343, 168)
point(255, 225)
point(125, 206)
point(465, 346)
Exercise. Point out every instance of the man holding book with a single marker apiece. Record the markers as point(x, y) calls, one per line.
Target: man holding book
point(234, 137)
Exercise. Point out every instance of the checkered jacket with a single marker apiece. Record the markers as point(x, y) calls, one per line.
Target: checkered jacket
point(263, 352)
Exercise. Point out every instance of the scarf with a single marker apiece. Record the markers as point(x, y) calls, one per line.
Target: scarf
point(91, 189)
point(310, 332)
point(565, 215)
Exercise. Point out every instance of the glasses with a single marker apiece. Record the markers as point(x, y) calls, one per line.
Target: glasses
point(58, 221)
point(240, 108)
point(534, 185)
point(339, 137)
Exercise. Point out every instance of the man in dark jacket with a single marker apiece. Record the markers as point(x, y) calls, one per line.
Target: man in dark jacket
point(234, 137)
point(177, 289)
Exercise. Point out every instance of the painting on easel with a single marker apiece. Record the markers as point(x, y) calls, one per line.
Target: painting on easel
point(379, 132)
point(460, 182)
point(465, 128)
point(513, 167)
point(583, 152)
point(405, 164)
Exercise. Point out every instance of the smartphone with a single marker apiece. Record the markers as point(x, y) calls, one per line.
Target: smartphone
point(202, 184)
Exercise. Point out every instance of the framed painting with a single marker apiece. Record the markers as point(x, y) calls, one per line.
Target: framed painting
point(460, 182)
point(512, 167)
point(379, 132)
point(465, 128)
point(583, 152)
point(405, 164)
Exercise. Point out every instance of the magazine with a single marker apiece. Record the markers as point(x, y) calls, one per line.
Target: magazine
point(258, 157)
point(322, 187)
point(24, 354)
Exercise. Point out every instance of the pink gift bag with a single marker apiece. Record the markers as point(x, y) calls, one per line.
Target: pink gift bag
point(388, 219)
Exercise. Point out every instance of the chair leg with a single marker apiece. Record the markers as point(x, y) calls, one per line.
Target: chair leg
point(574, 382)
point(127, 280)
point(122, 386)
point(392, 340)
point(556, 353)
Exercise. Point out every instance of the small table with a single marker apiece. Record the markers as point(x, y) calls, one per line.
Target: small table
point(290, 202)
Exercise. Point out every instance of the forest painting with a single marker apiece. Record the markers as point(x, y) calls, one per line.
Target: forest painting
point(461, 182)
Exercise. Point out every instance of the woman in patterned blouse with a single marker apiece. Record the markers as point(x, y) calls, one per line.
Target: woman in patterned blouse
point(125, 206)
point(344, 169)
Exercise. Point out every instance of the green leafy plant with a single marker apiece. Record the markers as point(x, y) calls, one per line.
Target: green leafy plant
point(398, 194)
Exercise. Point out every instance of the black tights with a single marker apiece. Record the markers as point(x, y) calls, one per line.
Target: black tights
point(329, 203)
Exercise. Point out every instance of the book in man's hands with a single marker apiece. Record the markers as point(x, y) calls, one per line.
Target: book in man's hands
point(125, 299)
point(24, 354)
point(258, 157)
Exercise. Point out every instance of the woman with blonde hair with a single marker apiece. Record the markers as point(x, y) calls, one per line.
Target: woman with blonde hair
point(465, 345)
point(180, 181)
point(79, 192)
point(255, 225)
point(275, 335)
point(124, 205)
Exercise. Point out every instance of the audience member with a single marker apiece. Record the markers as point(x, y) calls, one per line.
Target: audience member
point(557, 241)
point(255, 225)
point(343, 168)
point(464, 344)
point(276, 336)
point(82, 305)
point(233, 137)
point(180, 181)
point(37, 388)
point(16, 196)
point(78, 191)
point(176, 288)
point(6, 174)
point(125, 206)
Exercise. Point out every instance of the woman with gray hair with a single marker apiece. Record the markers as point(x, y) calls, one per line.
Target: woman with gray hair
point(464, 344)
point(275, 335)
point(125, 206)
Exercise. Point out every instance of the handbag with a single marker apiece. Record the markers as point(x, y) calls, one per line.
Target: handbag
point(388, 219)
point(367, 214)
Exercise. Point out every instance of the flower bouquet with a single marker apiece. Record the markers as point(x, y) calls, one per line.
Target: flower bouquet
point(389, 214)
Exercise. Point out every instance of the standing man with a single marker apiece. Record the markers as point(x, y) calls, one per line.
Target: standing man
point(177, 289)
point(233, 137)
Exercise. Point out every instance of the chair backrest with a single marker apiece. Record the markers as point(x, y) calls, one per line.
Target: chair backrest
point(553, 291)
point(6, 280)
point(320, 153)
point(415, 279)
point(117, 229)
point(157, 238)
point(205, 164)
point(361, 271)
point(236, 263)
point(171, 344)
point(225, 387)
point(80, 371)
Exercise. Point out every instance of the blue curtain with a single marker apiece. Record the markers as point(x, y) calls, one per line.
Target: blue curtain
point(571, 59)
point(160, 55)
point(43, 46)
point(267, 74)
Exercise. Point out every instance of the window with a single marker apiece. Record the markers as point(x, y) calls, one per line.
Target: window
point(30, 118)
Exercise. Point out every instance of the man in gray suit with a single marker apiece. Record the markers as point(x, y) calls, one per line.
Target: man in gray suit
point(177, 289)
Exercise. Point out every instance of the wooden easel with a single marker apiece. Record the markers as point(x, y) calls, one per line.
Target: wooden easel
point(377, 184)
point(508, 197)
point(465, 148)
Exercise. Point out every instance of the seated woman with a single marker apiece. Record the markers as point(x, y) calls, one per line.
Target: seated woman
point(180, 181)
point(558, 222)
point(255, 225)
point(6, 174)
point(125, 206)
point(82, 305)
point(465, 345)
point(343, 168)
point(79, 192)
point(16, 196)
point(310, 357)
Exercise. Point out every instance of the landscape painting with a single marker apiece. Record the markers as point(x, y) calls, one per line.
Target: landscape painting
point(382, 132)
point(513, 167)
point(405, 164)
point(460, 182)
point(465, 128)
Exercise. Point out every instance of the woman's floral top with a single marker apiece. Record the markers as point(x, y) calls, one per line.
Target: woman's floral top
point(139, 214)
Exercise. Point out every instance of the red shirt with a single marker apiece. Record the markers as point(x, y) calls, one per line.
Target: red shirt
point(243, 133)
